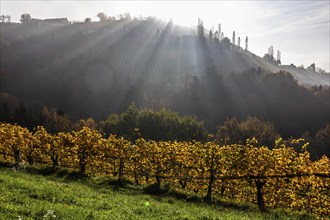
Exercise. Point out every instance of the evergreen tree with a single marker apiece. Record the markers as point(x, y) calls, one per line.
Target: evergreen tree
point(233, 40)
point(200, 28)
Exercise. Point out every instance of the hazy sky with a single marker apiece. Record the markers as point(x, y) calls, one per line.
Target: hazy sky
point(299, 29)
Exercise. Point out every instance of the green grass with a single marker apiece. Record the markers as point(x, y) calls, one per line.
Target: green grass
point(31, 196)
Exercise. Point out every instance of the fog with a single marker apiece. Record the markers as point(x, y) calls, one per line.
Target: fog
point(98, 68)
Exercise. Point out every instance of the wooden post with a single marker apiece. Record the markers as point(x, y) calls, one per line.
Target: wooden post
point(260, 199)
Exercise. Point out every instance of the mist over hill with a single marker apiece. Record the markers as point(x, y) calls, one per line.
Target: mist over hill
point(97, 68)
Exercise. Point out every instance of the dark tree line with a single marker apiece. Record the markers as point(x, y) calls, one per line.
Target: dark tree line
point(153, 125)
point(272, 97)
point(164, 125)
point(94, 72)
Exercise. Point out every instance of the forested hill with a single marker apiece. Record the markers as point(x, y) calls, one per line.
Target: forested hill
point(97, 68)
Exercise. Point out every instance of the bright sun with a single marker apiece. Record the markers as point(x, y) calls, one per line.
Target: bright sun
point(186, 13)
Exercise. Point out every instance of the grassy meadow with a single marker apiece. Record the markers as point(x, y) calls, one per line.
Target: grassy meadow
point(33, 193)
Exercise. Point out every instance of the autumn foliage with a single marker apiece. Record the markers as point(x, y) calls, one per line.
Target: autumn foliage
point(277, 177)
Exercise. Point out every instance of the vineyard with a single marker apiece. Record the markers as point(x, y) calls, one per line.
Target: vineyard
point(280, 177)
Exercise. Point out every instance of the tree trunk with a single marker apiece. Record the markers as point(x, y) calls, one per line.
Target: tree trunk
point(209, 187)
point(54, 159)
point(82, 163)
point(260, 199)
point(183, 184)
point(114, 173)
point(158, 181)
point(211, 180)
point(147, 178)
point(17, 157)
point(121, 169)
point(82, 168)
point(29, 158)
point(136, 179)
point(222, 189)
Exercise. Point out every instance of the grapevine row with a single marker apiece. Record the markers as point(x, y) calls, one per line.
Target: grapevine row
point(279, 177)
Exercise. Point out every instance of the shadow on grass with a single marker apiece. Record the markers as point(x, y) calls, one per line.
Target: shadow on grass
point(6, 165)
point(60, 174)
point(166, 190)
point(222, 203)
point(117, 184)
point(154, 189)
point(69, 175)
point(57, 172)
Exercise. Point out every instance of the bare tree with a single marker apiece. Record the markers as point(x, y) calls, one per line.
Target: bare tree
point(278, 57)
point(127, 16)
point(216, 35)
point(200, 28)
point(219, 30)
point(210, 34)
point(246, 43)
point(233, 38)
point(25, 17)
point(239, 43)
point(271, 52)
point(88, 20)
point(222, 36)
point(102, 16)
point(5, 19)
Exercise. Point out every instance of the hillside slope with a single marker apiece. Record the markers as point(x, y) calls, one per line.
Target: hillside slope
point(31, 196)
point(133, 48)
point(94, 69)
